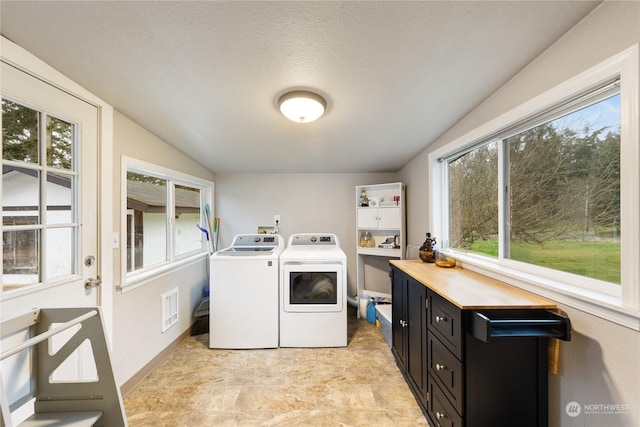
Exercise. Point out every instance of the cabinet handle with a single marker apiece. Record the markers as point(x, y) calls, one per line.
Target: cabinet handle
point(440, 367)
point(403, 323)
point(440, 415)
point(440, 319)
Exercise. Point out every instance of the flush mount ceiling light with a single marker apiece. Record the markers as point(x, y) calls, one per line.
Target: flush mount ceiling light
point(302, 106)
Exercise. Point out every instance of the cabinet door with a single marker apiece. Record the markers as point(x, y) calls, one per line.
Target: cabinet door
point(367, 218)
point(417, 335)
point(389, 218)
point(398, 316)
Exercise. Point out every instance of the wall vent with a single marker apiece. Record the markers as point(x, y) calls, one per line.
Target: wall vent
point(169, 309)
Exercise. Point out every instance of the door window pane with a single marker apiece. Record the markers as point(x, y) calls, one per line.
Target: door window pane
point(20, 252)
point(19, 132)
point(59, 192)
point(147, 238)
point(59, 143)
point(189, 238)
point(20, 242)
point(59, 252)
point(20, 191)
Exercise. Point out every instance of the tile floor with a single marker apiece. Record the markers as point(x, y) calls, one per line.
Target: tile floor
point(359, 385)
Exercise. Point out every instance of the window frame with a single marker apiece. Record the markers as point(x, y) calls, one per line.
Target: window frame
point(136, 278)
point(620, 304)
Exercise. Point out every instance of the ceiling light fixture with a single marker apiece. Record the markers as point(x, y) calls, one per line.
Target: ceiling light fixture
point(302, 106)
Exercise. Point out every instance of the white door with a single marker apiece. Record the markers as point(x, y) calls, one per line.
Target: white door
point(49, 196)
point(49, 204)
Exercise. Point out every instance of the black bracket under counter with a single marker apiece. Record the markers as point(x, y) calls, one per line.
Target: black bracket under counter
point(488, 324)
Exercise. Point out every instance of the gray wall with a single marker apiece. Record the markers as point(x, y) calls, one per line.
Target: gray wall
point(305, 202)
point(601, 365)
point(137, 314)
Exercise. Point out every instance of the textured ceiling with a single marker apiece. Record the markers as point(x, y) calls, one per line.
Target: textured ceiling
point(206, 76)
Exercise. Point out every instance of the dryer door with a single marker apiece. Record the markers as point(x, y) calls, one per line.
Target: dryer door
point(313, 287)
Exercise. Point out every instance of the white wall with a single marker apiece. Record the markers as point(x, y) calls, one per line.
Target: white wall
point(137, 313)
point(601, 365)
point(305, 202)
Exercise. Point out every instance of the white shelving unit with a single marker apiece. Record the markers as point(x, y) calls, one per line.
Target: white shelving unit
point(383, 219)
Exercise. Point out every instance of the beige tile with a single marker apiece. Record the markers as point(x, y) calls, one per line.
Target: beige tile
point(353, 386)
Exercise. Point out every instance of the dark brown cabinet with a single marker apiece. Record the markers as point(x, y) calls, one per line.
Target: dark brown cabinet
point(472, 368)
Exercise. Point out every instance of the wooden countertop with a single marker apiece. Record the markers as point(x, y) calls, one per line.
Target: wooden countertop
point(469, 290)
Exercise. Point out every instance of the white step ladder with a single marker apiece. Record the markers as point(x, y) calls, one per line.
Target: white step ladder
point(57, 403)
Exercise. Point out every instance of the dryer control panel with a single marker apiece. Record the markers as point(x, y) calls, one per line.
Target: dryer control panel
point(313, 240)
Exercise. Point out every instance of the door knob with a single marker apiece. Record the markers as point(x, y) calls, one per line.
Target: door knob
point(92, 283)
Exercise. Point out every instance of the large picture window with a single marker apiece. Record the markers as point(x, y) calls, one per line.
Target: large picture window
point(163, 218)
point(562, 194)
point(547, 196)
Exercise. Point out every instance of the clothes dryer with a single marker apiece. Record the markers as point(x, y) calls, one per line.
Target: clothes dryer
point(313, 292)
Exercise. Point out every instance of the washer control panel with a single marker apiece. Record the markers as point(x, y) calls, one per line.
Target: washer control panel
point(256, 240)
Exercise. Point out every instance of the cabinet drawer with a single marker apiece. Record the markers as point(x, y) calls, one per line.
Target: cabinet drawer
point(439, 408)
point(448, 371)
point(445, 320)
point(488, 324)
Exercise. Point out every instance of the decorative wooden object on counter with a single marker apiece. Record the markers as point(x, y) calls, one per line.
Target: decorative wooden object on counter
point(473, 350)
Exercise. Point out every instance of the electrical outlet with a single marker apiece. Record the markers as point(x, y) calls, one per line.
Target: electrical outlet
point(276, 219)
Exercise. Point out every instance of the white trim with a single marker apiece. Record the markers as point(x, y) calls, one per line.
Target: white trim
point(157, 273)
point(162, 172)
point(629, 166)
point(622, 307)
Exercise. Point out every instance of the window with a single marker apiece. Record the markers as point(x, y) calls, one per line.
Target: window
point(562, 193)
point(146, 221)
point(188, 213)
point(537, 197)
point(39, 221)
point(163, 218)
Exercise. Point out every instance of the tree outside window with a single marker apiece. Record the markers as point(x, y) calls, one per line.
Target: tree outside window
point(562, 194)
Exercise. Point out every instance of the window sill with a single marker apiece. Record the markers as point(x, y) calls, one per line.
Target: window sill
point(142, 279)
point(608, 307)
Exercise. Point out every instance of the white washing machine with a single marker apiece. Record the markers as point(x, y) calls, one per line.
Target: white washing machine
point(243, 293)
point(313, 292)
